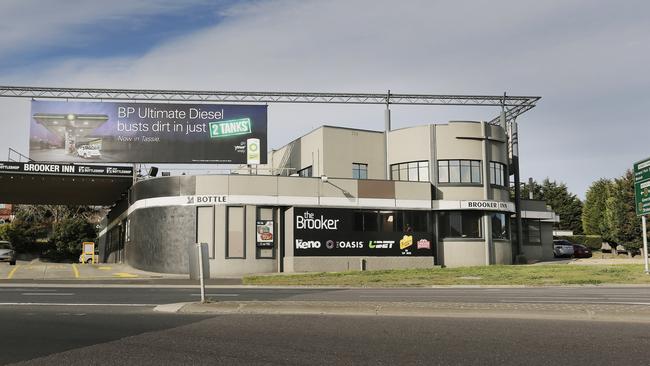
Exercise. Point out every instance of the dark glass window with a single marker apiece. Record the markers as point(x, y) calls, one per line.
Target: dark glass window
point(500, 226)
point(459, 171)
point(532, 232)
point(370, 221)
point(387, 221)
point(460, 224)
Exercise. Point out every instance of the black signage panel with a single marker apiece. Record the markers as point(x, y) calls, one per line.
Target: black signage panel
point(58, 169)
point(350, 232)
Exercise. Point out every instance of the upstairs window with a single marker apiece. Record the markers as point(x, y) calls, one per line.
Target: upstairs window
point(359, 171)
point(498, 174)
point(306, 172)
point(413, 171)
point(459, 171)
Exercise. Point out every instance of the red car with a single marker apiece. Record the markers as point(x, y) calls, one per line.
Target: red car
point(581, 251)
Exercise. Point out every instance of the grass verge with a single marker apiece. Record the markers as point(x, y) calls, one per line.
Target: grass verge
point(486, 275)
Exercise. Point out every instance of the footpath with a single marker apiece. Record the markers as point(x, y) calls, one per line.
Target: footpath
point(584, 312)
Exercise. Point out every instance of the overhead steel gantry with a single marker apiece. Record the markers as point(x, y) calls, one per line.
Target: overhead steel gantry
point(513, 105)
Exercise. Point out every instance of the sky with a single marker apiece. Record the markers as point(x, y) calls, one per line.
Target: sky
point(588, 60)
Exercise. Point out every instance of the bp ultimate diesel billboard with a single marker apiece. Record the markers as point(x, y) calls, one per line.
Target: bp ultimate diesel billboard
point(148, 132)
point(349, 232)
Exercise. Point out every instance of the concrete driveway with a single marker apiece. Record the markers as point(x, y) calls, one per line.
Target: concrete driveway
point(37, 270)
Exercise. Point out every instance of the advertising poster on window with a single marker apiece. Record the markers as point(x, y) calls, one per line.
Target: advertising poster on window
point(264, 231)
point(118, 132)
point(349, 232)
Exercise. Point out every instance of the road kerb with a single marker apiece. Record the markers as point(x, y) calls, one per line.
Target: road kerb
point(171, 308)
point(584, 312)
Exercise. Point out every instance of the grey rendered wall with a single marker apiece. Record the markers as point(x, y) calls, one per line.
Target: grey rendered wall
point(342, 147)
point(159, 238)
point(533, 252)
point(463, 253)
point(547, 240)
point(221, 266)
point(409, 144)
point(502, 252)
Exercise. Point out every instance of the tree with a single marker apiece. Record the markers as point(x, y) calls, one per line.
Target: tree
point(593, 211)
point(564, 203)
point(623, 224)
point(67, 236)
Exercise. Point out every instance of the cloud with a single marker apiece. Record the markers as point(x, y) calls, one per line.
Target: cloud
point(587, 60)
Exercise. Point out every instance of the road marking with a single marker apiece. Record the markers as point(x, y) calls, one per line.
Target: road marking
point(125, 275)
point(11, 274)
point(223, 295)
point(75, 270)
point(68, 304)
point(104, 268)
point(47, 294)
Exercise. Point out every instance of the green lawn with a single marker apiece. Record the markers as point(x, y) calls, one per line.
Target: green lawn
point(486, 275)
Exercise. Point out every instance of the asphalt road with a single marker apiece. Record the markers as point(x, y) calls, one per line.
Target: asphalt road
point(144, 295)
point(99, 336)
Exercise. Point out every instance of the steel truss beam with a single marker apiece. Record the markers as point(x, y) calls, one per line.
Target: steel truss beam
point(514, 105)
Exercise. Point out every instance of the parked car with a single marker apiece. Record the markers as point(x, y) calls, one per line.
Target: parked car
point(88, 151)
point(581, 251)
point(7, 253)
point(562, 248)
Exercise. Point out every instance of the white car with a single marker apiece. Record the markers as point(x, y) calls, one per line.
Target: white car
point(7, 253)
point(88, 151)
point(562, 248)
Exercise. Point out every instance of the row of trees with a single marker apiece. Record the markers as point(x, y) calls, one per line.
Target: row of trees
point(52, 231)
point(609, 211)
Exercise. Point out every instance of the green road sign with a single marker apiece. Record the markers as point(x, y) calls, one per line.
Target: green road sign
point(642, 187)
point(230, 128)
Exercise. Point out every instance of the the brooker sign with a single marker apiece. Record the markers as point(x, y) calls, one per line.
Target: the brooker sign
point(487, 205)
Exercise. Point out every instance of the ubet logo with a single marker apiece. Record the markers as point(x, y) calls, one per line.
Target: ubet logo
point(233, 127)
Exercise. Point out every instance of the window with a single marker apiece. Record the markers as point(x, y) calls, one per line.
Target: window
point(307, 172)
point(498, 174)
point(392, 221)
point(500, 226)
point(532, 232)
point(359, 171)
point(460, 224)
point(236, 234)
point(459, 171)
point(413, 171)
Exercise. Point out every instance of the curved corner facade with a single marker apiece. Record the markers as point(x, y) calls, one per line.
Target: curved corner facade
point(335, 199)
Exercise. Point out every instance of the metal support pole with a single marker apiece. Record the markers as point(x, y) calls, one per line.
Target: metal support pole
point(201, 272)
point(386, 131)
point(645, 244)
point(515, 168)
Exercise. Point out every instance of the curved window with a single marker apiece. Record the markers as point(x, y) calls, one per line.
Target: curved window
point(500, 226)
point(498, 173)
point(413, 171)
point(459, 171)
point(460, 224)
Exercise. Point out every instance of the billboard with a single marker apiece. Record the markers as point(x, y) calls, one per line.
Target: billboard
point(148, 132)
point(347, 232)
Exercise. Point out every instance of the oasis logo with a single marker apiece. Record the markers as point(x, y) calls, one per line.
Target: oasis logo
point(307, 244)
point(309, 221)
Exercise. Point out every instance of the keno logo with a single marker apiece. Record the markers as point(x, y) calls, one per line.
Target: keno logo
point(304, 244)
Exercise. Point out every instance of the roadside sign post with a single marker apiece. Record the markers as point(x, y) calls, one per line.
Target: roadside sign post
point(642, 201)
point(201, 272)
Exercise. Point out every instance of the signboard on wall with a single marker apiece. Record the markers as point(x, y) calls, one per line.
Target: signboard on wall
point(333, 232)
point(642, 187)
point(57, 169)
point(264, 230)
point(148, 132)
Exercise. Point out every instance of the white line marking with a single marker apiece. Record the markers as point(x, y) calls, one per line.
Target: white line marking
point(67, 304)
point(578, 302)
point(224, 295)
point(47, 294)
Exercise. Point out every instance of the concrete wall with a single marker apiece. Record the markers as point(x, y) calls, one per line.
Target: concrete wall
point(463, 253)
point(342, 147)
point(409, 144)
point(502, 252)
point(159, 238)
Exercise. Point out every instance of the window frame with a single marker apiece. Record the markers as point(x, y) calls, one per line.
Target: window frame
point(359, 168)
point(467, 166)
point(404, 170)
point(306, 169)
point(447, 229)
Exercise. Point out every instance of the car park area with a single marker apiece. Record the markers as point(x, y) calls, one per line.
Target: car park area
point(37, 270)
